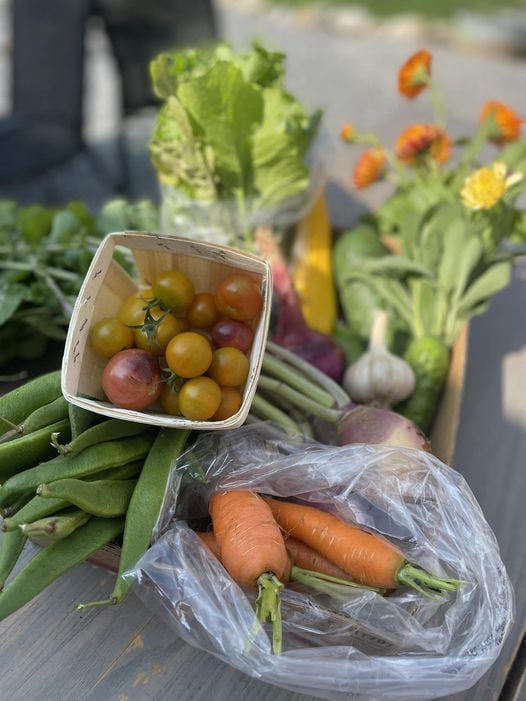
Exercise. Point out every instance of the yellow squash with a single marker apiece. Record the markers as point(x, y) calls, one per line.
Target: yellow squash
point(312, 268)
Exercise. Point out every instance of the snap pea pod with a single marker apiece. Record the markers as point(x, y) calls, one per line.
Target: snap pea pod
point(144, 508)
point(10, 550)
point(107, 431)
point(34, 510)
point(88, 462)
point(52, 528)
point(57, 410)
point(26, 451)
point(105, 498)
point(12, 508)
point(15, 406)
point(50, 563)
point(80, 420)
point(122, 472)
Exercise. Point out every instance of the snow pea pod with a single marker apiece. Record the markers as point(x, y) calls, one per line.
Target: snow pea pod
point(16, 405)
point(52, 528)
point(10, 550)
point(89, 461)
point(110, 430)
point(145, 507)
point(34, 510)
point(57, 410)
point(26, 451)
point(105, 498)
point(53, 561)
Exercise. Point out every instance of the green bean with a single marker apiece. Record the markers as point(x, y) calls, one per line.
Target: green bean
point(26, 451)
point(10, 550)
point(88, 462)
point(22, 401)
point(80, 420)
point(57, 410)
point(105, 498)
point(52, 528)
point(110, 430)
point(50, 563)
point(145, 506)
point(34, 510)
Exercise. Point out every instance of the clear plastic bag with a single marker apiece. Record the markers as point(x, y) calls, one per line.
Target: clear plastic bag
point(364, 646)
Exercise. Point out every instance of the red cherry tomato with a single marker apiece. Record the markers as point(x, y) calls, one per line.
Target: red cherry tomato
point(132, 379)
point(236, 334)
point(239, 297)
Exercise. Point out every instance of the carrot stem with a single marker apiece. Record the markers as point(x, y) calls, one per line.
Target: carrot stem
point(268, 606)
point(433, 588)
point(312, 579)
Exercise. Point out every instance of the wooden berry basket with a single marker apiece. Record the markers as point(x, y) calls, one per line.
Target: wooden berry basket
point(107, 284)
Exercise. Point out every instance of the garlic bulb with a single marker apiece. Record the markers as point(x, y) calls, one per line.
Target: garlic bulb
point(379, 378)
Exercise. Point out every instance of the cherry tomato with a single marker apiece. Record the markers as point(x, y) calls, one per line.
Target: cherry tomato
point(184, 323)
point(230, 403)
point(132, 379)
point(199, 399)
point(169, 400)
point(174, 290)
point(239, 297)
point(203, 311)
point(132, 310)
point(236, 334)
point(229, 367)
point(109, 336)
point(189, 354)
point(168, 327)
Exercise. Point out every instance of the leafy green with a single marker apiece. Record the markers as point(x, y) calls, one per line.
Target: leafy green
point(228, 130)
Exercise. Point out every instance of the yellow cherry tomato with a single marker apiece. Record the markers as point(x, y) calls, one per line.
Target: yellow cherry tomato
point(229, 367)
point(169, 400)
point(199, 399)
point(168, 327)
point(174, 290)
point(230, 404)
point(132, 310)
point(203, 312)
point(110, 336)
point(189, 354)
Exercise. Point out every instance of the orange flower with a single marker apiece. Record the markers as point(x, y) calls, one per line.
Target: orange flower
point(348, 132)
point(423, 139)
point(414, 74)
point(370, 167)
point(507, 122)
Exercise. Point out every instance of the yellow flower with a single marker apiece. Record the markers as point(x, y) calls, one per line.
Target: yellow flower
point(487, 186)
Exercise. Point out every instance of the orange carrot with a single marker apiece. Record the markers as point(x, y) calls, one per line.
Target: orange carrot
point(308, 559)
point(368, 558)
point(210, 541)
point(252, 550)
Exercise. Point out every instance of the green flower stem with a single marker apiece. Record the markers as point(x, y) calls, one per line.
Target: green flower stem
point(309, 371)
point(277, 369)
point(473, 148)
point(433, 588)
point(266, 410)
point(300, 400)
point(268, 606)
point(439, 104)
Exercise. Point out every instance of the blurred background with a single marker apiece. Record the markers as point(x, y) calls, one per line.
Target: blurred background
point(76, 107)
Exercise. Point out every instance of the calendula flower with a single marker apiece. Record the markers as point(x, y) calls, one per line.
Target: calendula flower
point(423, 139)
point(348, 132)
point(370, 167)
point(507, 124)
point(414, 74)
point(487, 186)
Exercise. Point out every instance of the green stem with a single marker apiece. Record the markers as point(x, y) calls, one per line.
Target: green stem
point(268, 606)
point(266, 410)
point(472, 150)
point(434, 588)
point(308, 370)
point(315, 579)
point(279, 370)
point(300, 400)
point(92, 604)
point(439, 105)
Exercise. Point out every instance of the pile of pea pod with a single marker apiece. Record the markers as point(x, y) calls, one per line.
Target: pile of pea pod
point(73, 483)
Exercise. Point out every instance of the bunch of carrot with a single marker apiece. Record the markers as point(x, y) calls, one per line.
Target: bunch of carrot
point(265, 543)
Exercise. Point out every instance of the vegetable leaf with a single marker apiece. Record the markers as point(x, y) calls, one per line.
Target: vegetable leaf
point(11, 296)
point(485, 286)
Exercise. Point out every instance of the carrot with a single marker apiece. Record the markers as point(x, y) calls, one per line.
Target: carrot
point(306, 567)
point(252, 550)
point(368, 558)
